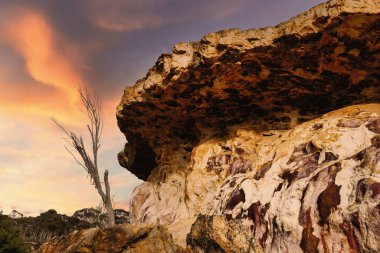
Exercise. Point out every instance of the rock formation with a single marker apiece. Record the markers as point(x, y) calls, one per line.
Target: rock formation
point(121, 239)
point(217, 234)
point(234, 125)
point(271, 78)
point(314, 187)
point(262, 140)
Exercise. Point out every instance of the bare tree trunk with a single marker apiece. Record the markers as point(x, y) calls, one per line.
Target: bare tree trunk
point(90, 164)
point(108, 202)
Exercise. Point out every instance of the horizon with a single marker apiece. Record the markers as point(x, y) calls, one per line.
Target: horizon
point(49, 49)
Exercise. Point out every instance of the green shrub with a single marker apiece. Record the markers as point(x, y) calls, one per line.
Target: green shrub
point(10, 240)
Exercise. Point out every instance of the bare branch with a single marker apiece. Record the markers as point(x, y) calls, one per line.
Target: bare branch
point(75, 158)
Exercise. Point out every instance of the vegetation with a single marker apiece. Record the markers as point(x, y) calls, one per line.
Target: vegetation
point(48, 225)
point(10, 240)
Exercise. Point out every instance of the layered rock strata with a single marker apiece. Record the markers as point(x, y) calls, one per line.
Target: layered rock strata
point(236, 125)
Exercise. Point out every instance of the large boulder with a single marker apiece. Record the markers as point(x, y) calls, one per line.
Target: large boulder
point(215, 234)
point(121, 239)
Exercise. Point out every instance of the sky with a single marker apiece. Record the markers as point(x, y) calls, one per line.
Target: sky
point(49, 49)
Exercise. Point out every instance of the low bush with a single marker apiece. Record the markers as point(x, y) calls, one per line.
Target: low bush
point(10, 240)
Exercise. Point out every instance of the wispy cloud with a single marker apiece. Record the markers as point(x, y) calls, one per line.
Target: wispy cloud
point(34, 39)
point(125, 16)
point(121, 16)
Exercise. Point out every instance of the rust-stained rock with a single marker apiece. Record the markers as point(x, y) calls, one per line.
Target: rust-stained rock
point(271, 78)
point(252, 126)
point(313, 188)
point(321, 192)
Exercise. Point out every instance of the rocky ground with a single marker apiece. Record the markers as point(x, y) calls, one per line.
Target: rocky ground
point(256, 141)
point(125, 238)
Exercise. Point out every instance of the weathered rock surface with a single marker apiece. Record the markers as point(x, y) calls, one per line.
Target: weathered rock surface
point(271, 78)
point(214, 234)
point(122, 239)
point(236, 126)
point(315, 187)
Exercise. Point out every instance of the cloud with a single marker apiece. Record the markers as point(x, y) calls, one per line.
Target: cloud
point(36, 102)
point(113, 21)
point(39, 73)
point(31, 36)
point(120, 16)
point(125, 16)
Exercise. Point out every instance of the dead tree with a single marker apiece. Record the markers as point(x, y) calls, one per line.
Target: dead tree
point(93, 110)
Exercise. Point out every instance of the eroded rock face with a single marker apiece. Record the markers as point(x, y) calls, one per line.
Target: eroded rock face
point(313, 187)
point(123, 239)
point(272, 78)
point(215, 234)
point(235, 126)
point(313, 195)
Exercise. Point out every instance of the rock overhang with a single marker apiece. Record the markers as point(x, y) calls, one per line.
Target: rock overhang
point(272, 78)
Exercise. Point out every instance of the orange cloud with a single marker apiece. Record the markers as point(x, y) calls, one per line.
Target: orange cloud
point(31, 101)
point(31, 36)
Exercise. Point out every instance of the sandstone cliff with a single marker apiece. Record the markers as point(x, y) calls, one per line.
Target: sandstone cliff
point(216, 127)
point(263, 140)
point(272, 78)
